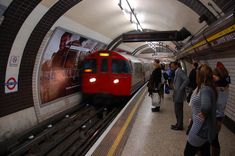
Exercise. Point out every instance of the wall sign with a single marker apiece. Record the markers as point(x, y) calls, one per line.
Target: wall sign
point(11, 85)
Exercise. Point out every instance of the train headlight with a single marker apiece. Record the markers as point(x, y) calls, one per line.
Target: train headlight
point(115, 81)
point(92, 80)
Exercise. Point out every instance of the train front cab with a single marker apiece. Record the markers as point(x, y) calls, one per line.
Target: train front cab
point(106, 75)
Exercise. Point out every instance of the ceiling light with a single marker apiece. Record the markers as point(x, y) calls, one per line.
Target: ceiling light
point(129, 11)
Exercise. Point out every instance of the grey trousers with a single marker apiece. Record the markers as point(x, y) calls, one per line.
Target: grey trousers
point(179, 113)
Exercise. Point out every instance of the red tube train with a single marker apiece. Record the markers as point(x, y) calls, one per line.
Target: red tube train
point(113, 74)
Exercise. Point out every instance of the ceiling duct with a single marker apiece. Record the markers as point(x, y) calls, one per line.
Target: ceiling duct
point(203, 18)
point(225, 5)
point(156, 36)
point(183, 34)
point(198, 7)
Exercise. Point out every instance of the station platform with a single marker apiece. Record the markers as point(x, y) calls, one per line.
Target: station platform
point(137, 131)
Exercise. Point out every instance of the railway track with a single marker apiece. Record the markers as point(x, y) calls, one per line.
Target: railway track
point(71, 135)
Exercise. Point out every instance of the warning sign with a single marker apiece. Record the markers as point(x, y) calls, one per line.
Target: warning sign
point(11, 85)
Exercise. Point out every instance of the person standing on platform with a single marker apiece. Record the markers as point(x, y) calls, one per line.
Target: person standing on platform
point(179, 83)
point(192, 78)
point(154, 86)
point(203, 130)
point(171, 74)
point(222, 80)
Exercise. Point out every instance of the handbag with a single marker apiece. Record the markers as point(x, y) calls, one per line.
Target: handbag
point(156, 100)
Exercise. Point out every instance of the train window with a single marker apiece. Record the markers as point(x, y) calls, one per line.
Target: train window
point(138, 69)
point(104, 65)
point(120, 66)
point(131, 66)
point(89, 66)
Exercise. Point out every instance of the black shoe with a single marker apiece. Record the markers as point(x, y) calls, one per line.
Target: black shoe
point(156, 109)
point(173, 126)
point(177, 128)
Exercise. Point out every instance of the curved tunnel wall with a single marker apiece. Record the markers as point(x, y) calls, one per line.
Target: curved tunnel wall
point(14, 17)
point(23, 109)
point(21, 104)
point(13, 20)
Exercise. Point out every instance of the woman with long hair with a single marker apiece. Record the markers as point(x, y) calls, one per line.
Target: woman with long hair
point(203, 102)
point(222, 80)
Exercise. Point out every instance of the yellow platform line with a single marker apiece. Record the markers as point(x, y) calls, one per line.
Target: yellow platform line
point(122, 131)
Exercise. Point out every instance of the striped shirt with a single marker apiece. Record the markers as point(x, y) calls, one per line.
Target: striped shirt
point(193, 139)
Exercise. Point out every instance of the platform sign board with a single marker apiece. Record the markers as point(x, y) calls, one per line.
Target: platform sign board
point(150, 36)
point(11, 85)
point(11, 79)
point(61, 63)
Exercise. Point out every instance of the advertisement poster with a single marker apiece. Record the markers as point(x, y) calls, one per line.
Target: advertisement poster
point(61, 64)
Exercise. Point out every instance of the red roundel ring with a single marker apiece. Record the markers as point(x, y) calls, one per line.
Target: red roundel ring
point(11, 83)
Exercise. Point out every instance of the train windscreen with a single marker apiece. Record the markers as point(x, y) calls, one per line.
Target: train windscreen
point(120, 66)
point(89, 66)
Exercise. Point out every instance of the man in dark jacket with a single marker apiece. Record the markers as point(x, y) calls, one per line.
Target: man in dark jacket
point(192, 80)
point(192, 76)
point(154, 85)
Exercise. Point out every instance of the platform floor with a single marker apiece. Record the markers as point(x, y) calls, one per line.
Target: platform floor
point(151, 134)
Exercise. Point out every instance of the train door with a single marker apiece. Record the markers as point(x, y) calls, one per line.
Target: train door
point(121, 77)
point(104, 76)
point(137, 76)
